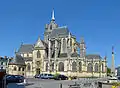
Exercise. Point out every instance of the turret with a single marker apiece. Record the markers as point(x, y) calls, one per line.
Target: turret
point(82, 48)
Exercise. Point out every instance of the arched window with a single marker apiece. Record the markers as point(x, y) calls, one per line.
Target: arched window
point(61, 66)
point(38, 54)
point(38, 63)
point(28, 67)
point(50, 27)
point(90, 67)
point(74, 66)
point(19, 69)
point(64, 44)
point(15, 68)
point(80, 66)
point(23, 69)
point(96, 67)
point(102, 67)
point(70, 42)
point(47, 66)
point(52, 66)
point(1, 63)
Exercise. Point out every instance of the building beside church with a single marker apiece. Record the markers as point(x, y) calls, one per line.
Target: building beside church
point(57, 53)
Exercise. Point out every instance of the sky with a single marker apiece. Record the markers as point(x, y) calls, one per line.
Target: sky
point(98, 21)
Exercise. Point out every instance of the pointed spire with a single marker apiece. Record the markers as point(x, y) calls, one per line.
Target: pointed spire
point(53, 15)
point(82, 40)
point(15, 51)
point(39, 38)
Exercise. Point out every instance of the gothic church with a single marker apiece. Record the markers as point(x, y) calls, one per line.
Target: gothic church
point(57, 53)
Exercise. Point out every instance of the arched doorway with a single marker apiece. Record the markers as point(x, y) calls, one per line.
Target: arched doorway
point(37, 70)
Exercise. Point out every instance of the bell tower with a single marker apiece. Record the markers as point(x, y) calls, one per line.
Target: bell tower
point(82, 48)
point(50, 27)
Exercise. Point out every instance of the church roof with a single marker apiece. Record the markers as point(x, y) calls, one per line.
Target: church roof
point(74, 55)
point(18, 60)
point(25, 48)
point(63, 55)
point(60, 31)
point(93, 56)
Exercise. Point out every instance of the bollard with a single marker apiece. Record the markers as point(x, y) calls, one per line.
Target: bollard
point(60, 85)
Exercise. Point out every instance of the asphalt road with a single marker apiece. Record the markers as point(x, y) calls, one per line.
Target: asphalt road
point(39, 83)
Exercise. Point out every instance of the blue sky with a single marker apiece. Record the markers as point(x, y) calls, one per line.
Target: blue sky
point(98, 21)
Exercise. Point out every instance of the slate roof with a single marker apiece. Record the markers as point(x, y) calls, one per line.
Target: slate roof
point(18, 60)
point(60, 31)
point(25, 48)
point(28, 58)
point(93, 56)
point(74, 55)
point(63, 55)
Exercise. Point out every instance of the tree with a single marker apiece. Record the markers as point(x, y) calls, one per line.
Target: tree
point(108, 71)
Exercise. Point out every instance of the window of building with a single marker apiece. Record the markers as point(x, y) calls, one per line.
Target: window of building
point(102, 67)
point(80, 66)
point(28, 67)
point(22, 69)
point(19, 69)
point(61, 66)
point(50, 27)
point(38, 54)
point(96, 67)
point(90, 67)
point(1, 63)
point(46, 66)
point(15, 68)
point(64, 44)
point(27, 55)
point(70, 42)
point(52, 66)
point(74, 67)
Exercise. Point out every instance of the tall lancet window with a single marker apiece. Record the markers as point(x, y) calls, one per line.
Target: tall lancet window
point(102, 67)
point(38, 54)
point(28, 67)
point(71, 42)
point(47, 66)
point(96, 67)
point(64, 45)
point(90, 67)
point(74, 66)
point(52, 67)
point(80, 66)
point(61, 66)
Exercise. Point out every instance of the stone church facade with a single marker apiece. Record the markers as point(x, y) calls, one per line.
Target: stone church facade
point(57, 53)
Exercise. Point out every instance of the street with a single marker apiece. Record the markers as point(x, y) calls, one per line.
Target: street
point(39, 83)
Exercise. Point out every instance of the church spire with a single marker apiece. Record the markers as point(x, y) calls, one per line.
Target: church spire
point(53, 15)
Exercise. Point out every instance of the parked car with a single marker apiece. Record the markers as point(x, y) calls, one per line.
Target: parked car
point(46, 76)
point(37, 76)
point(14, 79)
point(61, 77)
point(20, 78)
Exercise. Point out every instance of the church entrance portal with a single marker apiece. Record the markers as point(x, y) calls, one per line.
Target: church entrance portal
point(38, 71)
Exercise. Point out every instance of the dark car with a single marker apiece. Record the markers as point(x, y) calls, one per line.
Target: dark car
point(20, 78)
point(61, 77)
point(14, 79)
